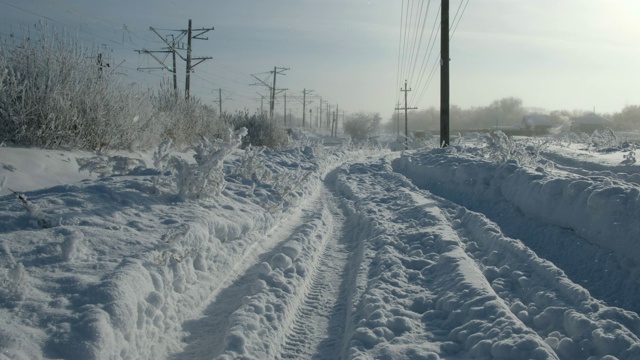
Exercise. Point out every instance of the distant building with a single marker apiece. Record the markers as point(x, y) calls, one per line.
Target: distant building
point(537, 124)
point(589, 123)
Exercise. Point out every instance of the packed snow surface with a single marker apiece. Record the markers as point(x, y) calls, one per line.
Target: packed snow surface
point(319, 252)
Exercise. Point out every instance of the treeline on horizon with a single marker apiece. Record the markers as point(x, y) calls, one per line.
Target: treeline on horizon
point(508, 111)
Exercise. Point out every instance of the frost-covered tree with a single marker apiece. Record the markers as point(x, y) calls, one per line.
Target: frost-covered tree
point(361, 125)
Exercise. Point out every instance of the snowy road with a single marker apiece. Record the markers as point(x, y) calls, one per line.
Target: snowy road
point(376, 267)
point(423, 255)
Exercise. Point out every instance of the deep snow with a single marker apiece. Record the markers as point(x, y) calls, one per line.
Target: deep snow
point(322, 252)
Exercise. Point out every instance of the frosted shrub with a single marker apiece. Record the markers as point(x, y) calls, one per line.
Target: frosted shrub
point(186, 121)
point(361, 125)
point(251, 165)
point(500, 148)
point(203, 179)
point(53, 94)
point(261, 131)
point(604, 140)
point(629, 158)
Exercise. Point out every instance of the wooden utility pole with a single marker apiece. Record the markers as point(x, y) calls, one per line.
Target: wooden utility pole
point(397, 119)
point(335, 129)
point(406, 115)
point(174, 67)
point(319, 121)
point(272, 88)
point(444, 75)
point(305, 92)
point(328, 115)
point(285, 108)
point(261, 105)
point(220, 100)
point(187, 81)
point(173, 47)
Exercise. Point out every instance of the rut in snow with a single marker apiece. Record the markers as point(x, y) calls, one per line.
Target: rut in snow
point(318, 324)
point(206, 334)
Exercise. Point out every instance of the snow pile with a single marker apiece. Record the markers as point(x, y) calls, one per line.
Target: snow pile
point(599, 210)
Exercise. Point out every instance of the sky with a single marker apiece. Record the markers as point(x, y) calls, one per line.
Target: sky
point(335, 253)
point(573, 54)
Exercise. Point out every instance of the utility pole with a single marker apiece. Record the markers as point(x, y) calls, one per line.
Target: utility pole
point(189, 68)
point(334, 123)
point(261, 105)
point(310, 118)
point(272, 88)
point(173, 46)
point(397, 119)
point(319, 122)
point(328, 115)
point(406, 116)
point(285, 108)
point(220, 100)
point(173, 68)
point(305, 92)
point(187, 81)
point(444, 75)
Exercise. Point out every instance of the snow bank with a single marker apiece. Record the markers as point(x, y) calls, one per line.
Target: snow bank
point(601, 211)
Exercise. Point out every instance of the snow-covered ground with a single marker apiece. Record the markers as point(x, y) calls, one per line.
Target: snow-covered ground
point(322, 252)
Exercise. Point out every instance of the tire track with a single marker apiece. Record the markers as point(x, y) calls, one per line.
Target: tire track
point(206, 334)
point(313, 334)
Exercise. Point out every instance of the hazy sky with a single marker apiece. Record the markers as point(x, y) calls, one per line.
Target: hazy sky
point(568, 54)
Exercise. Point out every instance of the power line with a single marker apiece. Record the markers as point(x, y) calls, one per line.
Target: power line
point(415, 61)
point(399, 50)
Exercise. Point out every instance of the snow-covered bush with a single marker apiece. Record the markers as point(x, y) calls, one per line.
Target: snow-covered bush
point(361, 125)
point(53, 93)
point(261, 131)
point(630, 157)
point(500, 148)
point(203, 179)
point(604, 140)
point(186, 121)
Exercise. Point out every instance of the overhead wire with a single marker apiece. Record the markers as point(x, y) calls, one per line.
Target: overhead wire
point(415, 39)
point(456, 20)
point(399, 53)
point(427, 56)
point(417, 53)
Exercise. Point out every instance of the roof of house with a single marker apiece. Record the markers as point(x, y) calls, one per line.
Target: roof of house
point(590, 119)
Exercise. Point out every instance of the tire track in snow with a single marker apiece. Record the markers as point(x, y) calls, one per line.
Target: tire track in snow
point(313, 334)
point(292, 302)
point(207, 333)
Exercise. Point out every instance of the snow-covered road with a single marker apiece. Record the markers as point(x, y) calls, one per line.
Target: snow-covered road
point(414, 276)
point(423, 255)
